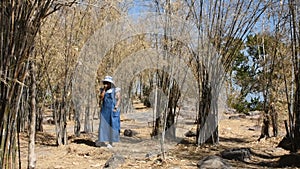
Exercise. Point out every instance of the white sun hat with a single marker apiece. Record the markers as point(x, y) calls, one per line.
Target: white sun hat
point(108, 79)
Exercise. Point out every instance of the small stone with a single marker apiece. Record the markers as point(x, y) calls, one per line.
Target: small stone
point(190, 134)
point(234, 117)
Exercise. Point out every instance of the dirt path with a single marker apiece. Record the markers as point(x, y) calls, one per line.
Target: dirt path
point(141, 144)
point(140, 151)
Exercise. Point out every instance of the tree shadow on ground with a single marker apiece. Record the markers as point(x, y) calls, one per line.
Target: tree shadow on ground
point(190, 123)
point(289, 160)
point(269, 161)
point(189, 150)
point(284, 161)
point(84, 141)
point(263, 156)
point(46, 139)
point(231, 139)
point(186, 142)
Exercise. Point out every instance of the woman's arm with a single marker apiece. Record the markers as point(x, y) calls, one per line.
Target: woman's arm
point(118, 99)
point(102, 93)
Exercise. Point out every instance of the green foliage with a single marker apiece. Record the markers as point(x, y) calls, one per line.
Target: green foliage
point(255, 104)
point(248, 74)
point(241, 107)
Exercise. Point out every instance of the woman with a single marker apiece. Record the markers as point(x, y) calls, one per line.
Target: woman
point(109, 127)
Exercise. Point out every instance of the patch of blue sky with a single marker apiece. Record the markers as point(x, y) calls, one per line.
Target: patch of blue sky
point(140, 6)
point(251, 96)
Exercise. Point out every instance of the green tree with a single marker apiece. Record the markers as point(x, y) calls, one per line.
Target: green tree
point(257, 75)
point(246, 72)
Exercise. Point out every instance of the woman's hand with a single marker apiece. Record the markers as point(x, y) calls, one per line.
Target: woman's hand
point(102, 93)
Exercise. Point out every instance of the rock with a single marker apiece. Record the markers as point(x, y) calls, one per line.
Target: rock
point(213, 162)
point(128, 132)
point(114, 161)
point(190, 134)
point(243, 116)
point(236, 154)
point(255, 117)
point(158, 161)
point(230, 111)
point(234, 117)
point(150, 155)
point(253, 113)
point(255, 128)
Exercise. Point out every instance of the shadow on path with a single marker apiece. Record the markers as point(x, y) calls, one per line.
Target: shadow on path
point(85, 141)
point(231, 139)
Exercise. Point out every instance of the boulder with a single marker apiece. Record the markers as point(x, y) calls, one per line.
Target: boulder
point(213, 162)
point(239, 154)
point(114, 161)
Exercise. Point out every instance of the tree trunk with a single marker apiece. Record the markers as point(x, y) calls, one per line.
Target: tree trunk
point(87, 124)
point(295, 133)
point(297, 111)
point(62, 126)
point(174, 96)
point(56, 118)
point(265, 127)
point(157, 112)
point(31, 146)
point(77, 120)
point(206, 134)
point(170, 127)
point(274, 119)
point(39, 120)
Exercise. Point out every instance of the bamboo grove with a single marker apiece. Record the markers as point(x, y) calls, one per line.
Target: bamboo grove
point(41, 43)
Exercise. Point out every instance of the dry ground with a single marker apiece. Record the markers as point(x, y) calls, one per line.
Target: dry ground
point(81, 153)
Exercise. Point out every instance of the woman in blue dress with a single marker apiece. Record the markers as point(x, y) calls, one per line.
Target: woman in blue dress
point(109, 127)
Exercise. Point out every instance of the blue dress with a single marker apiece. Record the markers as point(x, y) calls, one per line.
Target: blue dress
point(109, 127)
